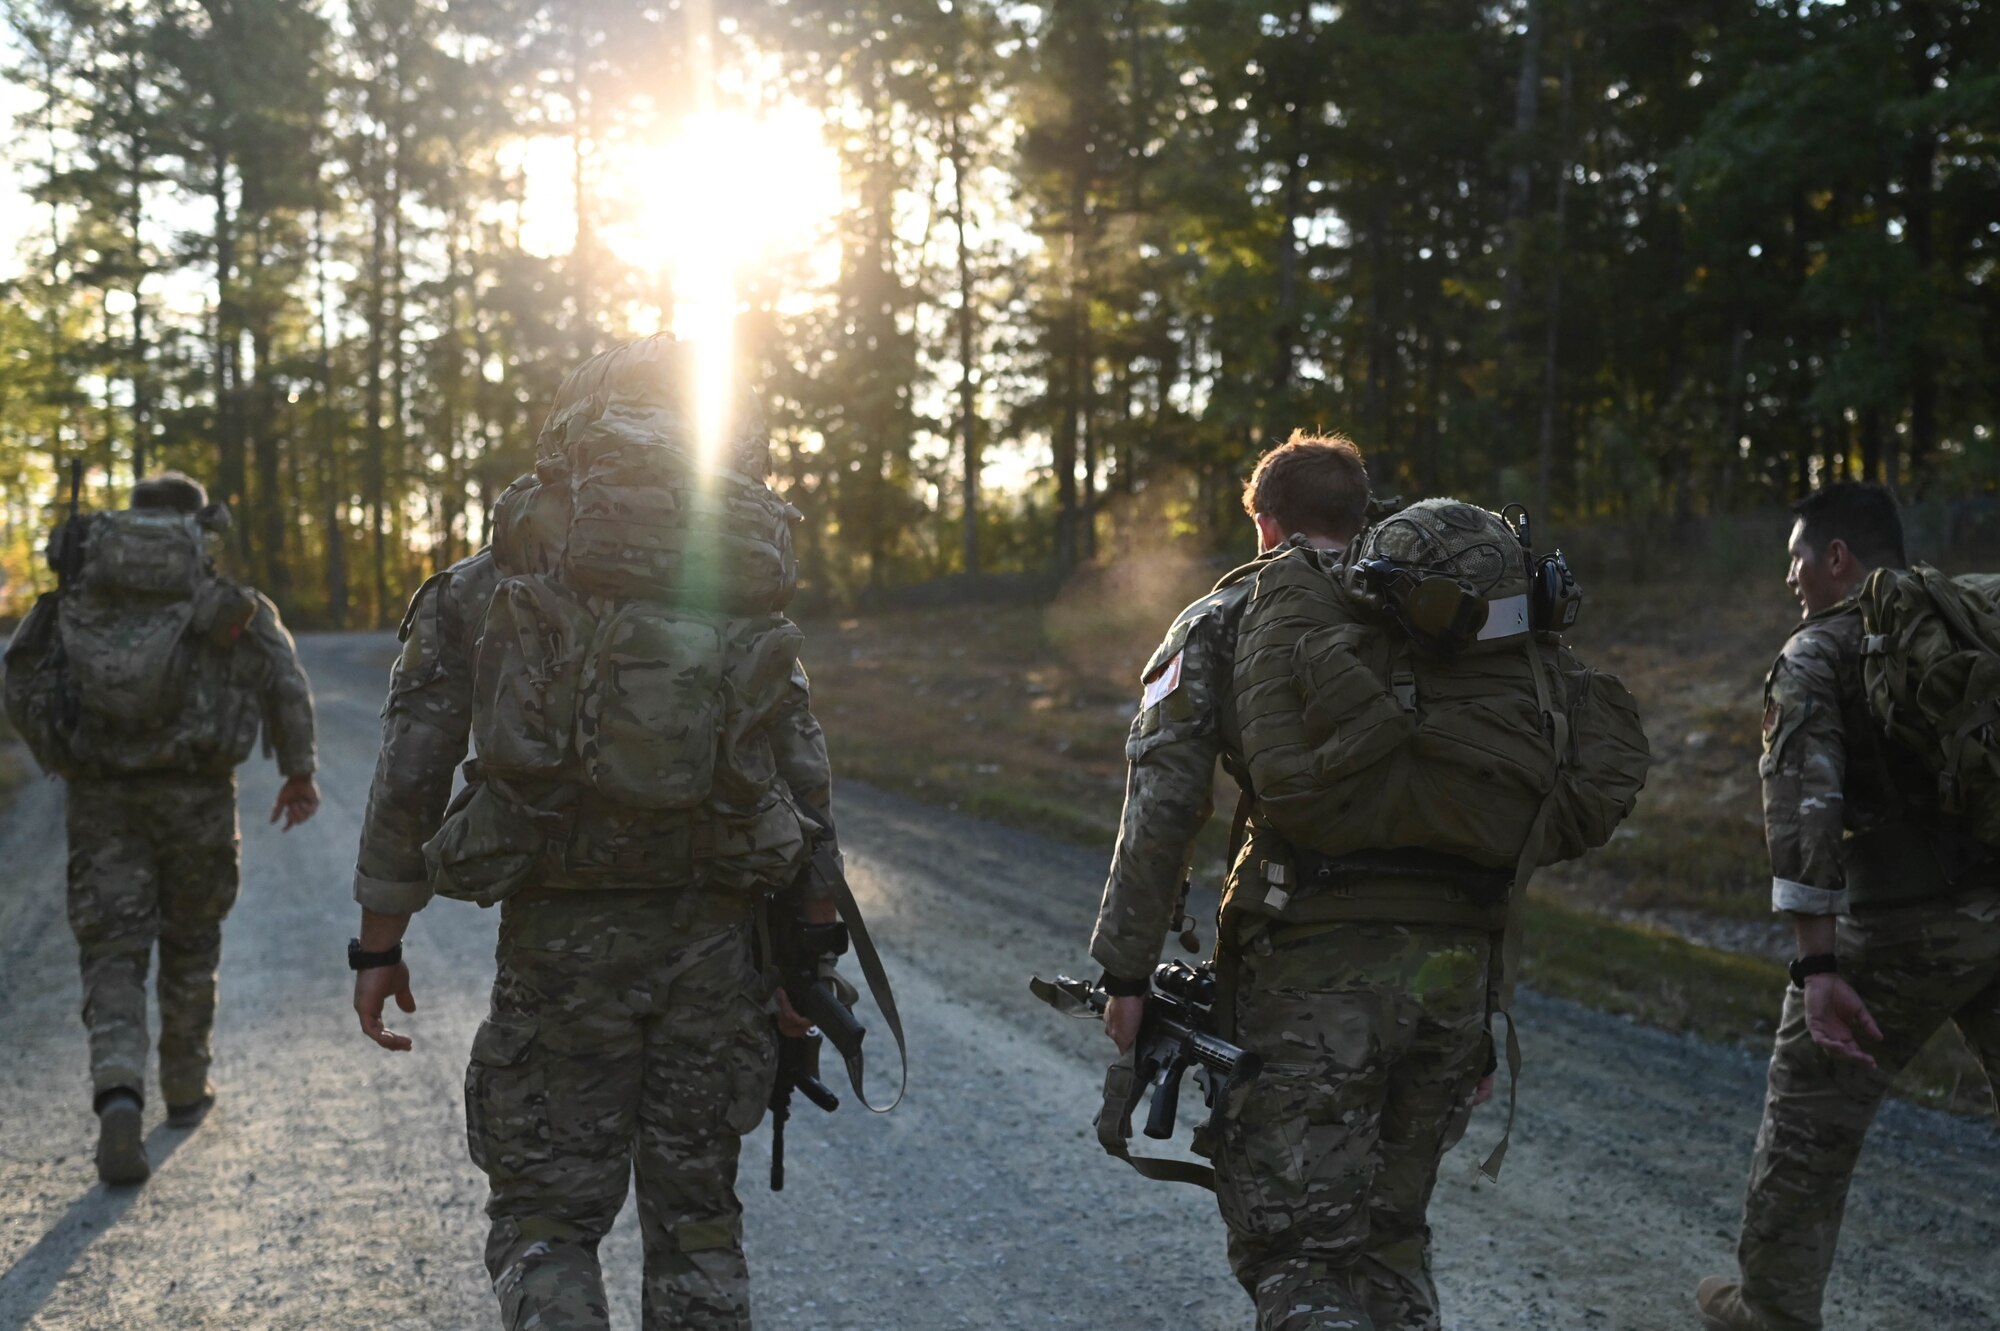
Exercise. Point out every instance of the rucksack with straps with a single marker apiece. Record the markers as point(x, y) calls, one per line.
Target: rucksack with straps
point(132, 666)
point(1930, 664)
point(1418, 738)
point(632, 654)
point(1402, 699)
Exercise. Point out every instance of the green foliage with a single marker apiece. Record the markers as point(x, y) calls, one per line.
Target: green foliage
point(1622, 260)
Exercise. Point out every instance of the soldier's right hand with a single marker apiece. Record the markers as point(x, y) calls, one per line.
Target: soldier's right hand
point(372, 990)
point(1121, 1019)
point(1835, 1015)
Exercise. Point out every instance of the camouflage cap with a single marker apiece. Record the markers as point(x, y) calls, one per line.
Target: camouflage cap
point(660, 376)
point(1453, 539)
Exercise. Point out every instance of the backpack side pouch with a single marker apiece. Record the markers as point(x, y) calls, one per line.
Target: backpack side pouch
point(526, 673)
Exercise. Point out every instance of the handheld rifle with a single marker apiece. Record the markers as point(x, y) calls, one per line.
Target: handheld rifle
point(804, 954)
point(1178, 1032)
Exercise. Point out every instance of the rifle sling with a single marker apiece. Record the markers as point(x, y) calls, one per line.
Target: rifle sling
point(1123, 1088)
point(878, 989)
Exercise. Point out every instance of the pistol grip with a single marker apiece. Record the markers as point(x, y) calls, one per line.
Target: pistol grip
point(1166, 1100)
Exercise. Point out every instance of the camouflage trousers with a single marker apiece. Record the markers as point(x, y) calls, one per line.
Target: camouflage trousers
point(152, 859)
point(1374, 1038)
point(630, 1035)
point(1916, 967)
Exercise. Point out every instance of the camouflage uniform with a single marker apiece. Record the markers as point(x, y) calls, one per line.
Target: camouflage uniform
point(153, 857)
point(630, 1030)
point(1373, 1034)
point(1919, 946)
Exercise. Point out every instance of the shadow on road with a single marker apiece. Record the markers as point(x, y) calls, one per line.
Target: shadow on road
point(25, 1285)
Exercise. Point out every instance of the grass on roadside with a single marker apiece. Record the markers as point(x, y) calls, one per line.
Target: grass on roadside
point(1653, 976)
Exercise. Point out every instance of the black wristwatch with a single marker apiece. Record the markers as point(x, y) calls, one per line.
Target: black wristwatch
point(1120, 987)
point(1819, 963)
point(360, 960)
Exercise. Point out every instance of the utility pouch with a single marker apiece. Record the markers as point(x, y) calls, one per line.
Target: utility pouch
point(490, 845)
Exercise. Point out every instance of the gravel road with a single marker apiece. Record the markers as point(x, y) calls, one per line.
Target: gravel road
point(330, 1186)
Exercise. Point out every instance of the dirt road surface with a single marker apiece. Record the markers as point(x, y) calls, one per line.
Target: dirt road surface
point(330, 1187)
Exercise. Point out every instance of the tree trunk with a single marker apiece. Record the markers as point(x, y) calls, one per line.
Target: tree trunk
point(378, 247)
point(968, 393)
point(332, 499)
point(135, 212)
point(1520, 198)
point(1545, 438)
point(1919, 193)
point(1285, 324)
point(230, 477)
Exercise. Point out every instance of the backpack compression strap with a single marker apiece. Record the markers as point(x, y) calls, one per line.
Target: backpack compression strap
point(1557, 724)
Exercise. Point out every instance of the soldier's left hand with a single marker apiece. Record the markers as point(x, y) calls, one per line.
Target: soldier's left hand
point(1835, 1016)
point(298, 800)
point(373, 988)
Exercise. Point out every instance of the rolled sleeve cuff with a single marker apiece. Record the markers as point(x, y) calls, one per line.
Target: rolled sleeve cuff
point(1124, 957)
point(1800, 899)
point(386, 897)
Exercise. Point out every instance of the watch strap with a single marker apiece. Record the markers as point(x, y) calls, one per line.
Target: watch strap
point(1804, 968)
point(359, 959)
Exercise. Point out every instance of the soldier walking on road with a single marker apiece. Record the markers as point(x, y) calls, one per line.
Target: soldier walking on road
point(143, 682)
point(1896, 907)
point(647, 772)
point(1358, 947)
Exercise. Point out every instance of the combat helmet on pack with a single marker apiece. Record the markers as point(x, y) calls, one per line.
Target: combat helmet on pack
point(633, 652)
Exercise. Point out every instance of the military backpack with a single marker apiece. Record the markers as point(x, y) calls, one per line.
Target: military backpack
point(132, 665)
point(1408, 714)
point(632, 655)
point(1930, 665)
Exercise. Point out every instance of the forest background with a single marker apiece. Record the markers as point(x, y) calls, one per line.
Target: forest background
point(1057, 272)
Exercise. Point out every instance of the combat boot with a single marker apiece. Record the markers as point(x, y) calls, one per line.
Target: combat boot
point(121, 1147)
point(190, 1114)
point(1722, 1306)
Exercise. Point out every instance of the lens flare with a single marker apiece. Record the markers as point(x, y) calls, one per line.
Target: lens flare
point(726, 193)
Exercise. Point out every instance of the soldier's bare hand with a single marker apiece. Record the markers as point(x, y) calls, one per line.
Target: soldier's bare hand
point(790, 1023)
point(1121, 1019)
point(298, 800)
point(1483, 1091)
point(1835, 1016)
point(372, 989)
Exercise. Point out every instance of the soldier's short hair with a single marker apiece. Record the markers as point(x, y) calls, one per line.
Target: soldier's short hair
point(173, 491)
point(1861, 514)
point(1312, 483)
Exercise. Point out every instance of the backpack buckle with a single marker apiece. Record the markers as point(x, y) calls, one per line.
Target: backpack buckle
point(1404, 685)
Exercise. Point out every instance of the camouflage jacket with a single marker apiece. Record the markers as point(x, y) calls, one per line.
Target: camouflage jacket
point(1186, 721)
point(425, 726)
point(1827, 769)
point(287, 700)
point(427, 722)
